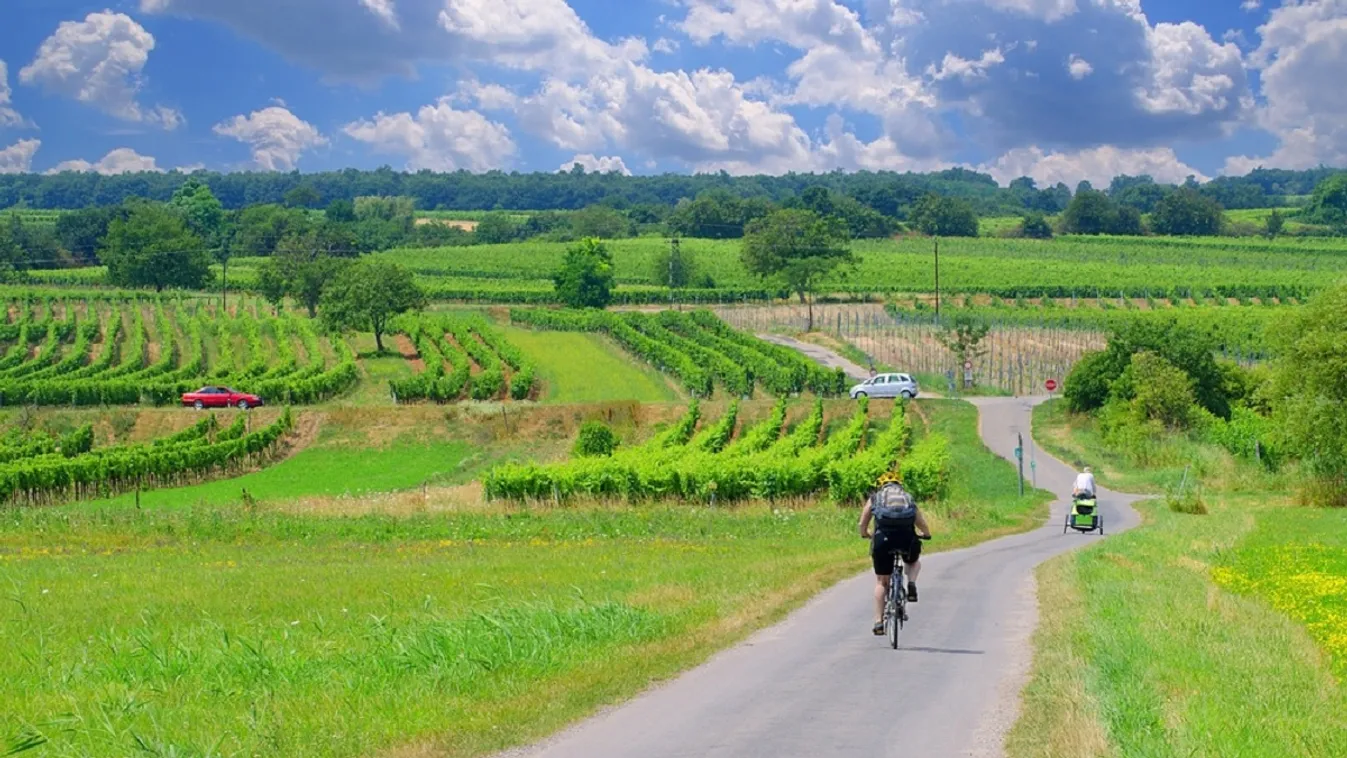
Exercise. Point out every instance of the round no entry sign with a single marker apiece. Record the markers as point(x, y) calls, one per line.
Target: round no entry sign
point(1051, 384)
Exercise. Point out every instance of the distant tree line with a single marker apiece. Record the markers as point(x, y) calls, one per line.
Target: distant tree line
point(888, 193)
point(306, 232)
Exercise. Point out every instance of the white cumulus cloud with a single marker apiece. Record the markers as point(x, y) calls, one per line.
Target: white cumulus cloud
point(8, 116)
point(384, 10)
point(1302, 56)
point(1098, 165)
point(123, 160)
point(799, 23)
point(1078, 67)
point(18, 158)
point(597, 164)
point(438, 137)
point(277, 137)
point(98, 61)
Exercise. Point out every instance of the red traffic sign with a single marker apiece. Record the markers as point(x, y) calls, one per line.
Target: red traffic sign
point(1051, 384)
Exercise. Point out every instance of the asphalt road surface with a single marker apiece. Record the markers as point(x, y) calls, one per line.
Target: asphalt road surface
point(819, 684)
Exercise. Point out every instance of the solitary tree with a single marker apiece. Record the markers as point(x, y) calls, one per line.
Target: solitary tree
point(1089, 212)
point(585, 279)
point(1274, 224)
point(1036, 226)
point(496, 229)
point(944, 217)
point(963, 336)
point(367, 295)
point(202, 211)
point(152, 247)
point(272, 283)
point(1187, 212)
point(797, 247)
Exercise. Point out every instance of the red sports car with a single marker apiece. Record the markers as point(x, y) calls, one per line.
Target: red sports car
point(220, 397)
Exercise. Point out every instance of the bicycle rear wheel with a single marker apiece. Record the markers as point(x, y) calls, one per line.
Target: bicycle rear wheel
point(896, 599)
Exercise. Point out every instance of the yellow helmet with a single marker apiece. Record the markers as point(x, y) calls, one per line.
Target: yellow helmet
point(889, 477)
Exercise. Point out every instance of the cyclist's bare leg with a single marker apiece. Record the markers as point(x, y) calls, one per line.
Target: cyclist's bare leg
point(881, 593)
point(912, 570)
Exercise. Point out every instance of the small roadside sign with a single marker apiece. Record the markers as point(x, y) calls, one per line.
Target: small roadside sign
point(1051, 384)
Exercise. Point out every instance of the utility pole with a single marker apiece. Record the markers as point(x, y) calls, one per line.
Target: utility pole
point(937, 279)
point(673, 253)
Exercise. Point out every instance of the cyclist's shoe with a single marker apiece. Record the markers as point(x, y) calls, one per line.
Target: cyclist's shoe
point(878, 629)
point(911, 592)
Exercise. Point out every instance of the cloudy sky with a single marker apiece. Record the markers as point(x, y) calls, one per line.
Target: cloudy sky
point(1056, 89)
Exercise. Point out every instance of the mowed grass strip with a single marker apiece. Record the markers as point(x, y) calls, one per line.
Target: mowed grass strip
point(1138, 642)
point(588, 368)
point(330, 470)
point(376, 370)
point(232, 631)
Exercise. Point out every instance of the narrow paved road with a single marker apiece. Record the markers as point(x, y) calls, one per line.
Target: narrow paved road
point(820, 355)
point(818, 684)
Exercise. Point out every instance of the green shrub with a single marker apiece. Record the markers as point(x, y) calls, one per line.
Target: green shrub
point(1188, 501)
point(1087, 386)
point(1157, 390)
point(596, 440)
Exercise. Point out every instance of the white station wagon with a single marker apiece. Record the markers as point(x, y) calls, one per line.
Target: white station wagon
point(887, 385)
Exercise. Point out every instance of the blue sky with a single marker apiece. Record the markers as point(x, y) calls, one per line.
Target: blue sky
point(1055, 89)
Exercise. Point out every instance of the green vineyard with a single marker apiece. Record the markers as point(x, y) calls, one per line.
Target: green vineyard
point(122, 349)
point(1065, 267)
point(40, 469)
point(765, 461)
point(700, 350)
point(464, 357)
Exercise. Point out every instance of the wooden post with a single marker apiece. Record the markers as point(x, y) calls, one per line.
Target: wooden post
point(937, 279)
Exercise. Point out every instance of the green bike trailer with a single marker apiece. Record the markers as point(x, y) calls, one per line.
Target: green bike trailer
point(1084, 516)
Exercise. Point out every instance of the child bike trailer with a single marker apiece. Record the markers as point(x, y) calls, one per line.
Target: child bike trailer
point(1084, 516)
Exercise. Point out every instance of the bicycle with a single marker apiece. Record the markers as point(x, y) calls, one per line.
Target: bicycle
point(895, 603)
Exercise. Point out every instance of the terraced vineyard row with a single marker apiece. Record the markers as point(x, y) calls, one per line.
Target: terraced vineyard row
point(463, 357)
point(700, 350)
point(763, 462)
point(119, 351)
point(39, 469)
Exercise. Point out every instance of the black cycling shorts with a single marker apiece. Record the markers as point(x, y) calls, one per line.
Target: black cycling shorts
point(886, 544)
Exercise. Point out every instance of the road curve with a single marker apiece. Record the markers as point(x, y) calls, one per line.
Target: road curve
point(819, 684)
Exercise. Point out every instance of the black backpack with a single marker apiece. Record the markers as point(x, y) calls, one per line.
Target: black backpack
point(893, 508)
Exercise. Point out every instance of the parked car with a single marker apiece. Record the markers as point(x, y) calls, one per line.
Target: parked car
point(887, 385)
point(220, 397)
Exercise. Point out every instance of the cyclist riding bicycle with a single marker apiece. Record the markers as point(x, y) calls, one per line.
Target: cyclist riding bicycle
point(897, 522)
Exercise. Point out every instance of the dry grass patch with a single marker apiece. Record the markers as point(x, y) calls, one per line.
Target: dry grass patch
point(1060, 716)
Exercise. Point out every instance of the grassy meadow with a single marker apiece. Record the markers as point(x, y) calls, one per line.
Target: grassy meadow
point(214, 629)
point(1148, 642)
